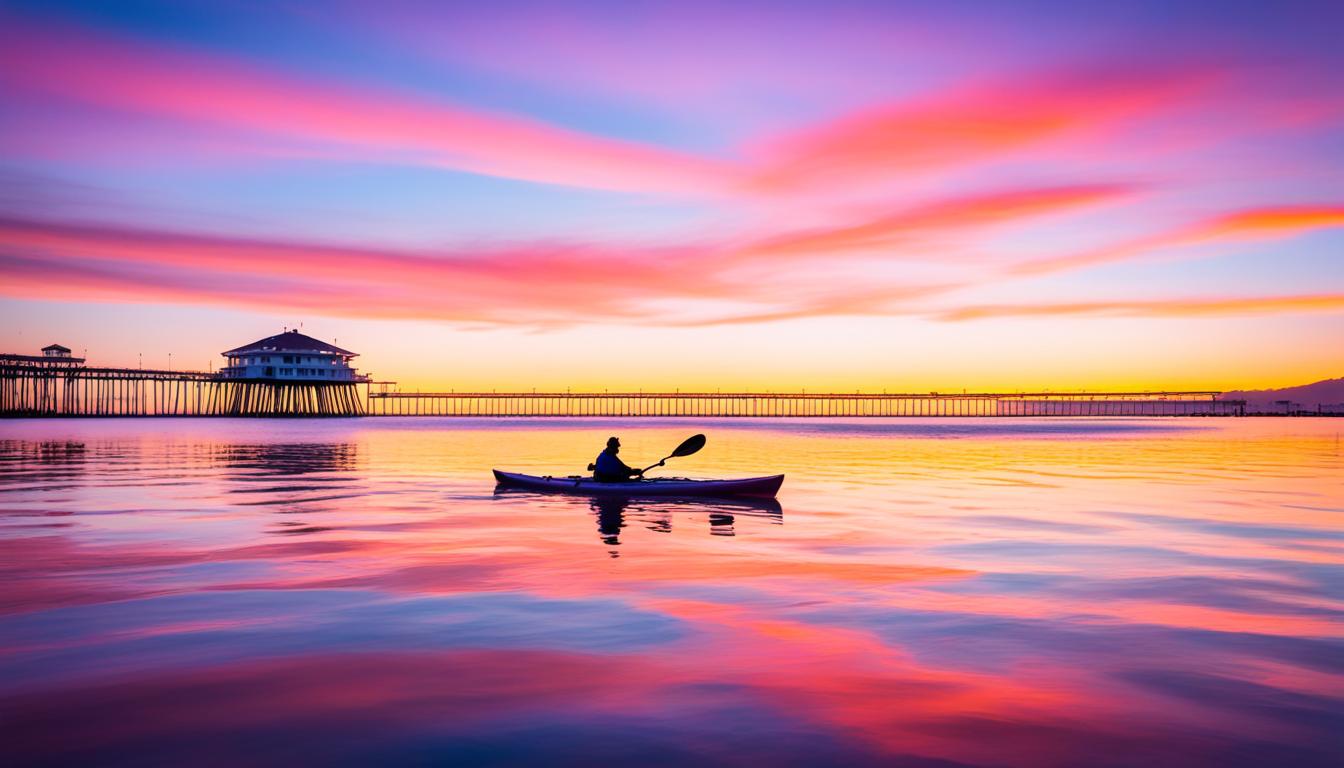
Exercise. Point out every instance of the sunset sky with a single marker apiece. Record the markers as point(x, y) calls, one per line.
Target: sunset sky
point(900, 196)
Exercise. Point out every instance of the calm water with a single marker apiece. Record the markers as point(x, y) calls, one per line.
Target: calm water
point(926, 593)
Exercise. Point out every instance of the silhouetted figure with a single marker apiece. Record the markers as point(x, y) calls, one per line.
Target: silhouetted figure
point(609, 468)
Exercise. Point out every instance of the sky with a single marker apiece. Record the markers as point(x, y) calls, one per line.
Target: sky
point(694, 195)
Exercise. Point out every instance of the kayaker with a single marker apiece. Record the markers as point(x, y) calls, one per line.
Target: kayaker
point(609, 468)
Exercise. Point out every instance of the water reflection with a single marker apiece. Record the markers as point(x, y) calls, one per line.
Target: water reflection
point(48, 464)
point(292, 479)
point(269, 459)
point(611, 519)
point(355, 592)
point(657, 515)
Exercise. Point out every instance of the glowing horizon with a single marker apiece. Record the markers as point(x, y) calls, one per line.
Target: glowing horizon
point(864, 196)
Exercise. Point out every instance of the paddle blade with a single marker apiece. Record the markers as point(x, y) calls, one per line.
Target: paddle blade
point(693, 443)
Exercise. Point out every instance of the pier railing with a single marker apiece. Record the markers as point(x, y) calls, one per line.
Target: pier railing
point(779, 405)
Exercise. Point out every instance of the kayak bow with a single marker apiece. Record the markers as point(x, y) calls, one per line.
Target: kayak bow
point(758, 487)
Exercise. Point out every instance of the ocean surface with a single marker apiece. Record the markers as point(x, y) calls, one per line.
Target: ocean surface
point(1097, 592)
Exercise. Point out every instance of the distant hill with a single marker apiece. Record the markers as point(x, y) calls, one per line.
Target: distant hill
point(1329, 392)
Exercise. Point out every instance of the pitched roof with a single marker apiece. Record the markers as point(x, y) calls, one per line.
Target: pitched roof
point(289, 341)
point(56, 347)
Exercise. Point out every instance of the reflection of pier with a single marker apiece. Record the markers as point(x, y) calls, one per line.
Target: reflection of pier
point(74, 390)
point(776, 405)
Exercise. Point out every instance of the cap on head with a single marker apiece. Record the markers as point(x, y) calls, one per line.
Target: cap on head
point(613, 442)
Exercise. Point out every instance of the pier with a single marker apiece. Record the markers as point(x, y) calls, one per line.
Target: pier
point(787, 405)
point(30, 390)
point(291, 374)
point(74, 390)
point(288, 374)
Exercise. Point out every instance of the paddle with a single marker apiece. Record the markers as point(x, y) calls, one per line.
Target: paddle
point(689, 446)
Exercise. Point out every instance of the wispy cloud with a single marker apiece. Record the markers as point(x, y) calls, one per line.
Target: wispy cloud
point(218, 105)
point(969, 124)
point(1248, 225)
point(528, 284)
point(968, 138)
point(1191, 307)
point(957, 214)
point(536, 284)
point(275, 109)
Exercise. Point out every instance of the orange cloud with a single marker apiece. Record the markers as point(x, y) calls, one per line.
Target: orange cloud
point(1254, 305)
point(954, 214)
point(1251, 225)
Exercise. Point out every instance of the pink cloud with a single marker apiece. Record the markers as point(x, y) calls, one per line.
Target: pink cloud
point(216, 107)
point(531, 284)
point(379, 124)
point(968, 125)
point(526, 283)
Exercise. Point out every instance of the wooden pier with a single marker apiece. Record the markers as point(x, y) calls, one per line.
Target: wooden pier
point(74, 390)
point(787, 405)
point(77, 390)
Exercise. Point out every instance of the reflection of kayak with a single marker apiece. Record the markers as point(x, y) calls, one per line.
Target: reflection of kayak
point(758, 487)
point(750, 506)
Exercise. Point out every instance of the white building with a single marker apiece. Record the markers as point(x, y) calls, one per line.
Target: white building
point(53, 356)
point(290, 356)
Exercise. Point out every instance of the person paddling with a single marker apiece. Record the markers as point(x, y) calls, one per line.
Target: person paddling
point(609, 468)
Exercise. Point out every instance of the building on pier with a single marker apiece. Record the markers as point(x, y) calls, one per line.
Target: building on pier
point(53, 356)
point(293, 357)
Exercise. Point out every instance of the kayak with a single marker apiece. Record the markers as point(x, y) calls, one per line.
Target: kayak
point(757, 487)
